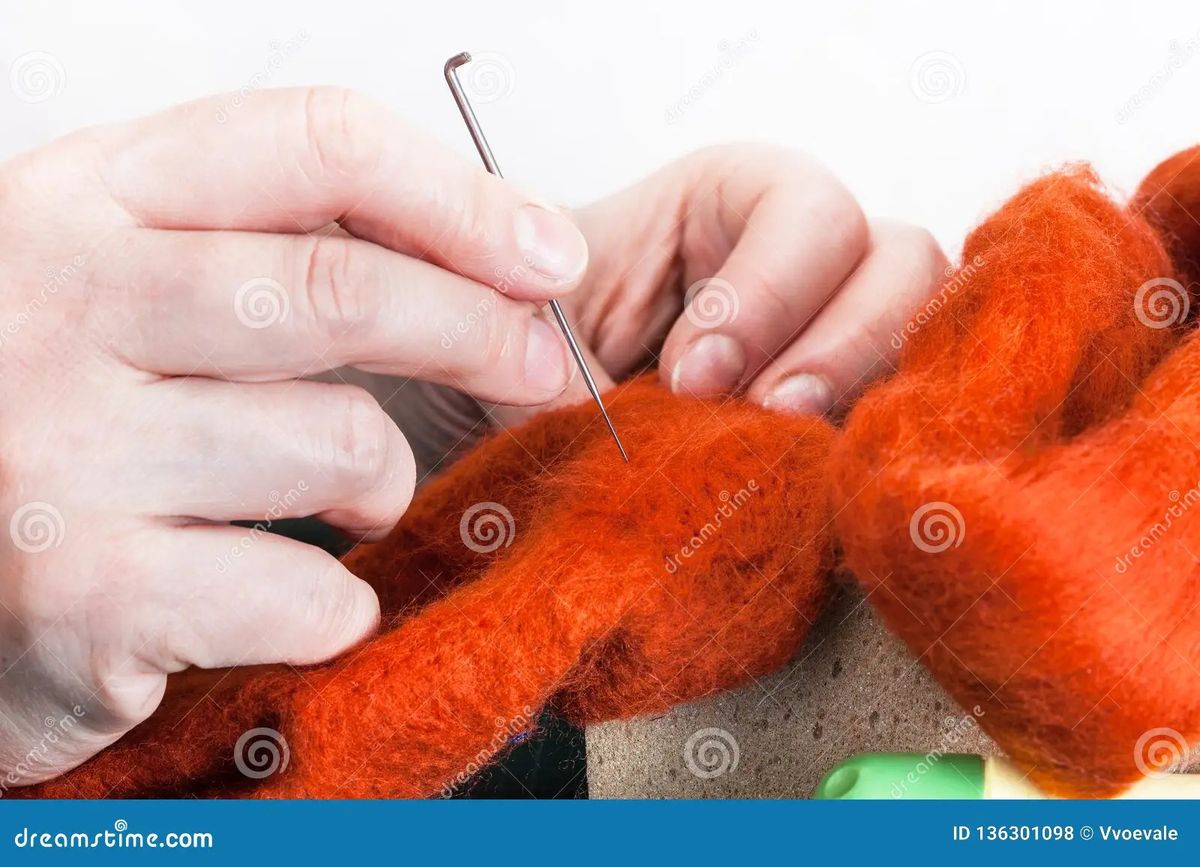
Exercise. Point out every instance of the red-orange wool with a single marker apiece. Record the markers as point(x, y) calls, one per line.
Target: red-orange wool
point(616, 591)
point(1022, 501)
point(1023, 498)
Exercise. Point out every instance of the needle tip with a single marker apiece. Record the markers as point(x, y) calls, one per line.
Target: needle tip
point(612, 430)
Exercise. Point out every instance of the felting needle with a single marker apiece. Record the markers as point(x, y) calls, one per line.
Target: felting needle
point(489, 162)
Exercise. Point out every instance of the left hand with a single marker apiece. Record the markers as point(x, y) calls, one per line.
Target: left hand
point(793, 297)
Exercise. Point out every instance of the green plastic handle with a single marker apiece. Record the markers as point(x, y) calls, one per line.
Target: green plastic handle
point(903, 776)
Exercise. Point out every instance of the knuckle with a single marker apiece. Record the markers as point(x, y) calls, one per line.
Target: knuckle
point(844, 216)
point(42, 602)
point(23, 184)
point(401, 481)
point(728, 157)
point(13, 187)
point(74, 627)
point(335, 610)
point(496, 340)
point(359, 441)
point(42, 593)
point(127, 698)
point(343, 141)
point(339, 285)
point(35, 181)
point(464, 214)
point(915, 252)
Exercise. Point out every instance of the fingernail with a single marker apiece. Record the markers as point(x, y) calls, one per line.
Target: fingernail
point(712, 365)
point(552, 244)
point(802, 394)
point(545, 357)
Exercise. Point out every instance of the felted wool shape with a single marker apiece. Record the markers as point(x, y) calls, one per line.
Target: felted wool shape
point(540, 570)
point(1021, 500)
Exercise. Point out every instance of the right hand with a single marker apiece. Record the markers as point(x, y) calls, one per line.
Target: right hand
point(163, 287)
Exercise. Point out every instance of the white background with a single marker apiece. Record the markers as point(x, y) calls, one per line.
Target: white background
point(932, 112)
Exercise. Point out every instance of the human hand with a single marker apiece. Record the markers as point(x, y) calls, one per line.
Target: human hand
point(738, 269)
point(750, 268)
point(163, 287)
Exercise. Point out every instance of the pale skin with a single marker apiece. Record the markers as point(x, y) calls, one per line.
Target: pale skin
point(147, 414)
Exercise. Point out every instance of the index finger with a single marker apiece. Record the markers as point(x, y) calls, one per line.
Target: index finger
point(797, 233)
point(299, 159)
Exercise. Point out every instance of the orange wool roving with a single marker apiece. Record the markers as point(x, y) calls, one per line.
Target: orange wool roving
point(1022, 500)
point(539, 570)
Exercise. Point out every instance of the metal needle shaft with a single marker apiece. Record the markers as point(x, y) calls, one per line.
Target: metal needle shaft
point(489, 162)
